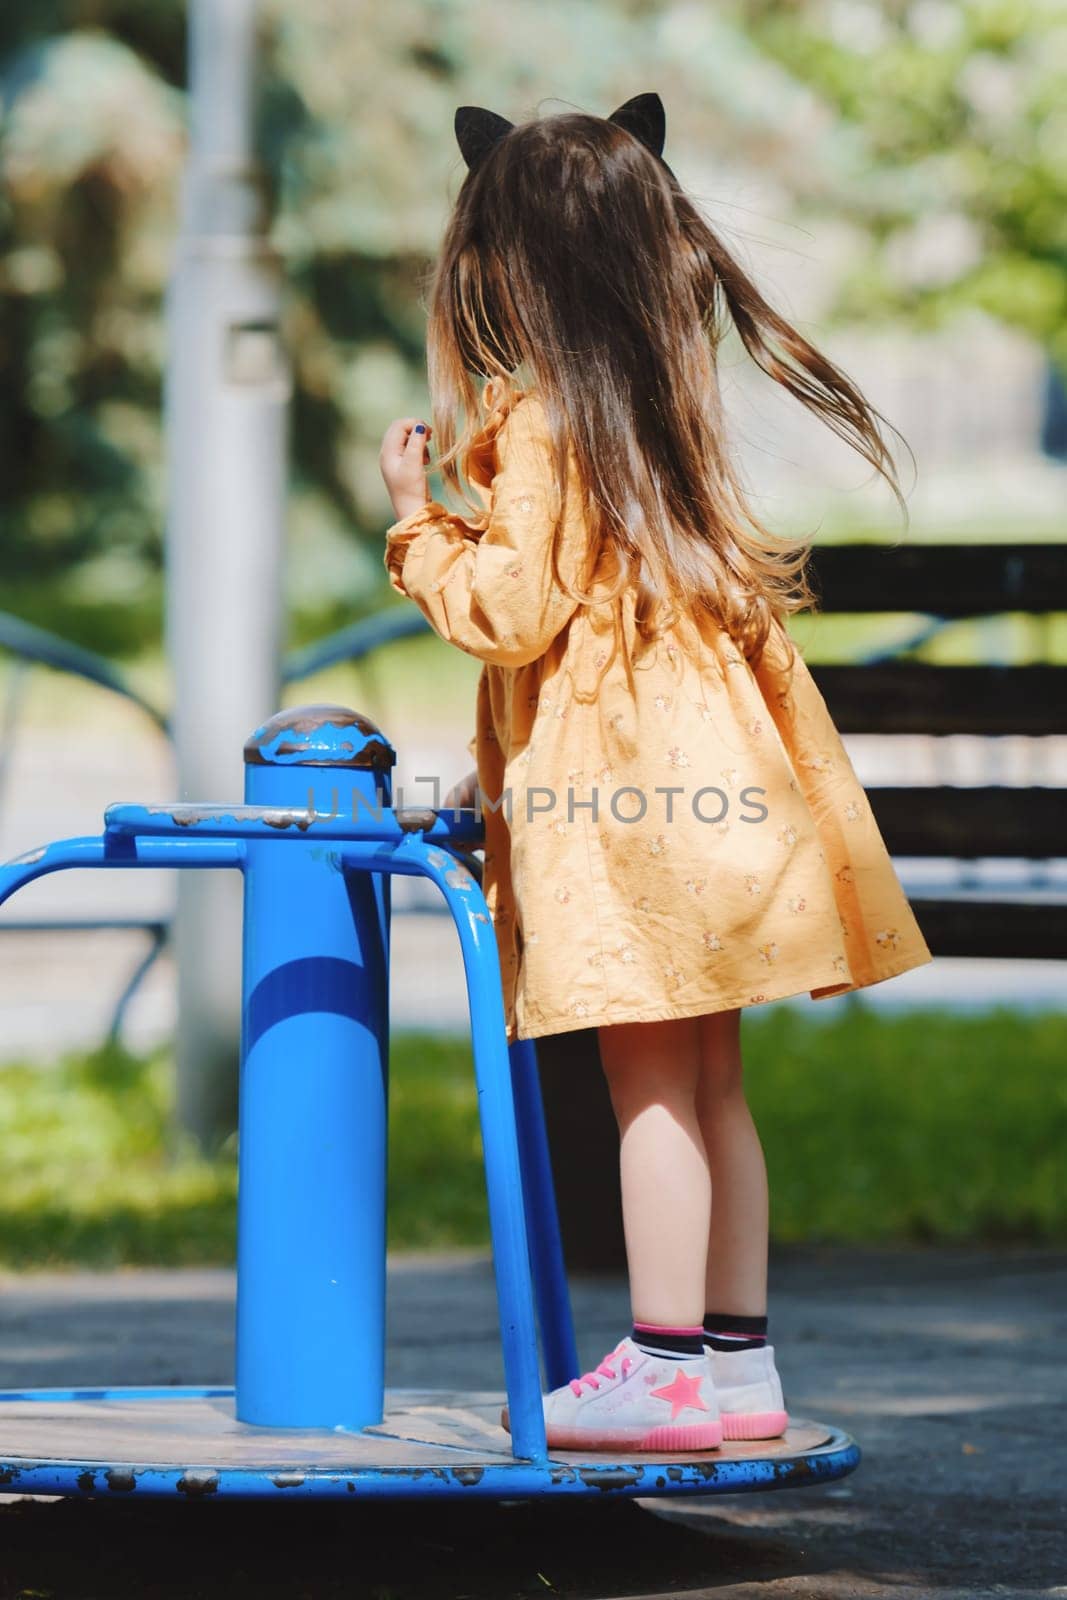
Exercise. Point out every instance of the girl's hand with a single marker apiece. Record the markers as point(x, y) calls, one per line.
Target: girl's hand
point(461, 796)
point(403, 460)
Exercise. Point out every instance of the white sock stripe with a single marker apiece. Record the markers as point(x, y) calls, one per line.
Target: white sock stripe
point(670, 1355)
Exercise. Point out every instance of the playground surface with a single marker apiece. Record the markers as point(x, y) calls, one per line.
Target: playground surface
point(946, 1365)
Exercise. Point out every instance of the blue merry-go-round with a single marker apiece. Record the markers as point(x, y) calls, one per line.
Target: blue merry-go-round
point(318, 841)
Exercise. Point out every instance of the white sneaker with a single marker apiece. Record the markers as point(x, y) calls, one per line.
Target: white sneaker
point(634, 1401)
point(749, 1392)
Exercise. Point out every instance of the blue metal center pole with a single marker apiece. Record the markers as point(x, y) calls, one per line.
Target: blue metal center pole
point(313, 1089)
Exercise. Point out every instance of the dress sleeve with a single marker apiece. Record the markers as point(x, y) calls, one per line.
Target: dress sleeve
point(496, 591)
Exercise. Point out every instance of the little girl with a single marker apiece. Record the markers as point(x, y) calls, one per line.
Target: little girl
point(673, 829)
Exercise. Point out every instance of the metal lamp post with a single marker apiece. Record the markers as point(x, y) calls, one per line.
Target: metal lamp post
point(226, 403)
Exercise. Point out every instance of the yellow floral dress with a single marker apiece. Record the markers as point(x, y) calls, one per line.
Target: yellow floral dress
point(668, 831)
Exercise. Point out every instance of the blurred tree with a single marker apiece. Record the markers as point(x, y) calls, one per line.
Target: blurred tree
point(932, 131)
point(90, 147)
point(954, 134)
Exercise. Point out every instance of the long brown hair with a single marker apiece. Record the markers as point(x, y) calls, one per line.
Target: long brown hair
point(573, 252)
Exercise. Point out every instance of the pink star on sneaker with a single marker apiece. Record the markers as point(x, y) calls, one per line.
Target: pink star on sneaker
point(681, 1393)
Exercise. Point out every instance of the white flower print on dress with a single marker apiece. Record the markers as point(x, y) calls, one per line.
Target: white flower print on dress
point(676, 757)
point(754, 727)
point(729, 776)
point(672, 977)
point(796, 903)
point(787, 835)
point(768, 952)
point(845, 874)
point(840, 965)
point(711, 941)
point(657, 846)
point(662, 702)
point(752, 883)
point(819, 763)
point(626, 954)
point(696, 885)
point(579, 1008)
point(563, 895)
point(852, 811)
point(524, 503)
point(642, 904)
point(887, 938)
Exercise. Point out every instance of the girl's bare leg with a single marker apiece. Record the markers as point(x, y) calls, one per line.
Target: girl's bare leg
point(737, 1244)
point(653, 1070)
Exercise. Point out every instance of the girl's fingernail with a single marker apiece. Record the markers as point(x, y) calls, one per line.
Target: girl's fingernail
point(420, 427)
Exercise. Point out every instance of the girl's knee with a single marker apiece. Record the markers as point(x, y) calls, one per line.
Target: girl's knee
point(649, 1063)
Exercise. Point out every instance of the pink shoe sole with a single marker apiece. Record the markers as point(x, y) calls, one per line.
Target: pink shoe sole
point(698, 1436)
point(754, 1424)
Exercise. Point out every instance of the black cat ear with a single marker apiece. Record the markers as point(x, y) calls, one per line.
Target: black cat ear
point(645, 118)
point(477, 131)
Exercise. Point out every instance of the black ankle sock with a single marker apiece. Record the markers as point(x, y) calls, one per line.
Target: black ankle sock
point(667, 1341)
point(725, 1331)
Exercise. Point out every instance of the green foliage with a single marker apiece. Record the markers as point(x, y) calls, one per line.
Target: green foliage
point(953, 134)
point(915, 1128)
point(935, 131)
point(918, 1128)
point(86, 1175)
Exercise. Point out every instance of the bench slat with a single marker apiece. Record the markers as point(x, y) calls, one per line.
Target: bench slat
point(940, 580)
point(971, 822)
point(914, 697)
point(1000, 929)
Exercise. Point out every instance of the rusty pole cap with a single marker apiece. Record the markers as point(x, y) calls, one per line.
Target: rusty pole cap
point(320, 736)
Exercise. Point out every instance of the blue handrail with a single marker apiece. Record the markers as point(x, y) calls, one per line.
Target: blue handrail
point(32, 643)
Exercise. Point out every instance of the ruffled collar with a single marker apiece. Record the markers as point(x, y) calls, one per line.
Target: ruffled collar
point(480, 459)
point(497, 397)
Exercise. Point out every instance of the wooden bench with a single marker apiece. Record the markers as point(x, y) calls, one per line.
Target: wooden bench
point(888, 691)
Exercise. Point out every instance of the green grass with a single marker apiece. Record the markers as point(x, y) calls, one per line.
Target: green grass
point(920, 1128)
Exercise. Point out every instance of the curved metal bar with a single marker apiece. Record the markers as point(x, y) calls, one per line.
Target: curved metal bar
point(554, 1314)
point(36, 644)
point(101, 851)
point(354, 641)
point(158, 931)
point(496, 1110)
point(921, 634)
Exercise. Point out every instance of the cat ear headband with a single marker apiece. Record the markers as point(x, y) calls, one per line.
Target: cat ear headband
point(478, 130)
